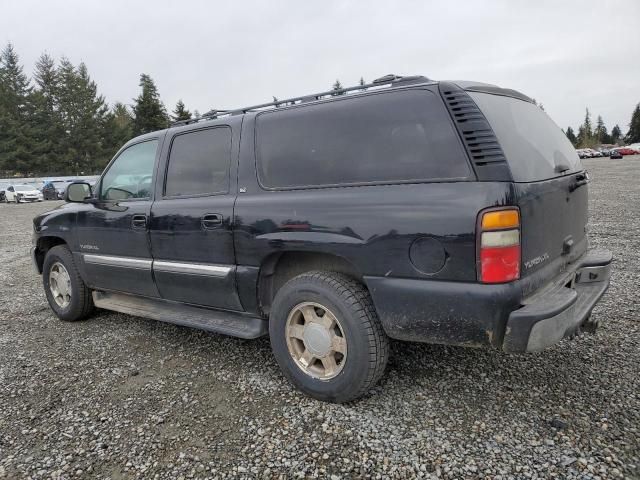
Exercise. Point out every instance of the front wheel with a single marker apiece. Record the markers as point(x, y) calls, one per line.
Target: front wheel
point(326, 336)
point(66, 292)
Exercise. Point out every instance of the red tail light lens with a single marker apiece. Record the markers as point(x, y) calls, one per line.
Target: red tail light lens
point(499, 246)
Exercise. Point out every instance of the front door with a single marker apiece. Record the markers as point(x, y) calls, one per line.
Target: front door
point(113, 234)
point(191, 219)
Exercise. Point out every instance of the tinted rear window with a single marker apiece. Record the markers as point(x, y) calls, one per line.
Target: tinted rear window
point(199, 163)
point(390, 137)
point(533, 144)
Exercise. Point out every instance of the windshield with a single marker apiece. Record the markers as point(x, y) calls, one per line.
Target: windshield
point(534, 145)
point(60, 184)
point(23, 188)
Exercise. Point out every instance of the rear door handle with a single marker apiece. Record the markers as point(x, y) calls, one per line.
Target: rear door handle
point(211, 220)
point(139, 221)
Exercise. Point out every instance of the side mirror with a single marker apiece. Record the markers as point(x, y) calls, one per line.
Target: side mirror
point(78, 192)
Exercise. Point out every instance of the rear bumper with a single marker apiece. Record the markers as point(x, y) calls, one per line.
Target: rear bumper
point(556, 312)
point(480, 315)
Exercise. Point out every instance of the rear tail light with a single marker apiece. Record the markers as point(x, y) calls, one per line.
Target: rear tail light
point(499, 246)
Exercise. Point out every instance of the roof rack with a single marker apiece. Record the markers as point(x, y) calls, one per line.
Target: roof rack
point(389, 80)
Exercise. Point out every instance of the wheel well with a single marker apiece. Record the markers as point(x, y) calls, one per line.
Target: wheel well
point(279, 268)
point(43, 246)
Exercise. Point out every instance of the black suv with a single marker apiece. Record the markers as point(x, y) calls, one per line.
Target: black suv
point(410, 209)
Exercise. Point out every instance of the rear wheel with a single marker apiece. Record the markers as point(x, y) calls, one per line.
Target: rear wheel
point(66, 292)
point(326, 336)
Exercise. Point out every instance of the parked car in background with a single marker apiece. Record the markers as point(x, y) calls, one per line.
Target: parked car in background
point(3, 188)
point(635, 146)
point(22, 194)
point(594, 153)
point(55, 190)
point(615, 154)
point(626, 151)
point(37, 185)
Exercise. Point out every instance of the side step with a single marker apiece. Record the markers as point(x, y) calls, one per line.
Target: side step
point(228, 323)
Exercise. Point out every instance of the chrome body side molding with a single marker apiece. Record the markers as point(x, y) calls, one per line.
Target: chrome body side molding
point(114, 261)
point(158, 265)
point(191, 268)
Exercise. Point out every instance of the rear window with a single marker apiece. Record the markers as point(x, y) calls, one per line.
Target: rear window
point(384, 138)
point(534, 145)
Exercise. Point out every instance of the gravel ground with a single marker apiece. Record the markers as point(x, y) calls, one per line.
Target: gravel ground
point(122, 397)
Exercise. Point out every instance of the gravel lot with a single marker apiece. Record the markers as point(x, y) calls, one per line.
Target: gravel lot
point(122, 397)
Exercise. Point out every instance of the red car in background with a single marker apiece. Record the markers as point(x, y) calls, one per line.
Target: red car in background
point(626, 151)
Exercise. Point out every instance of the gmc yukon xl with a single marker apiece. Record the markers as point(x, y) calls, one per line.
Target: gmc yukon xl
point(411, 209)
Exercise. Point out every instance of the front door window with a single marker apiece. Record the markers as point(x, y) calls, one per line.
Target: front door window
point(130, 175)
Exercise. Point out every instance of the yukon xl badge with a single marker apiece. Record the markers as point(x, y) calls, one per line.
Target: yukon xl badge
point(89, 247)
point(537, 260)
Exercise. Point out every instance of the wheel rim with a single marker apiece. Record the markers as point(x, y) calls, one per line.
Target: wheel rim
point(60, 285)
point(316, 340)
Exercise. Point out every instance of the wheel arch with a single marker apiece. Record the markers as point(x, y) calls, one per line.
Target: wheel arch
point(43, 245)
point(280, 267)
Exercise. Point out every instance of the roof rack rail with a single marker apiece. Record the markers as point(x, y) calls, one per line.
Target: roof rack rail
point(390, 80)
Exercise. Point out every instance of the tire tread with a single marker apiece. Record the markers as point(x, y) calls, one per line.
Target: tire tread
point(355, 295)
point(85, 304)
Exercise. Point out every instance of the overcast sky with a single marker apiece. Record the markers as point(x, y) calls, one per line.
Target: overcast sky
point(567, 55)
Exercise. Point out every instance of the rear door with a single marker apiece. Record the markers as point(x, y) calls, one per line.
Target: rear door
point(550, 184)
point(191, 219)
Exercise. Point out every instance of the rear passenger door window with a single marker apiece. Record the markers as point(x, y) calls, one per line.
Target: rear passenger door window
point(199, 163)
point(392, 137)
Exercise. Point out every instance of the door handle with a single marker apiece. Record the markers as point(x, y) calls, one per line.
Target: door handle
point(211, 220)
point(139, 221)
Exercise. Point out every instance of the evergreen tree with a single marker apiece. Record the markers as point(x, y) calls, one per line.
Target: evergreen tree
point(616, 134)
point(600, 133)
point(15, 115)
point(337, 86)
point(46, 122)
point(633, 135)
point(585, 132)
point(149, 112)
point(84, 114)
point(118, 129)
point(362, 83)
point(571, 136)
point(180, 113)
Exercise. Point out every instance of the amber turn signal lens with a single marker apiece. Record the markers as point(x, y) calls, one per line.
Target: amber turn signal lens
point(500, 219)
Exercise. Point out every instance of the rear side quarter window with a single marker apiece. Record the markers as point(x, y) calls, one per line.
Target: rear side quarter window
point(535, 147)
point(392, 137)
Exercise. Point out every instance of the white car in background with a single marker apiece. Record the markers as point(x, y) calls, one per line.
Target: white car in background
point(22, 194)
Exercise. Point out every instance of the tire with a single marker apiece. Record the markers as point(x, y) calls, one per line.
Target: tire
point(344, 303)
point(80, 303)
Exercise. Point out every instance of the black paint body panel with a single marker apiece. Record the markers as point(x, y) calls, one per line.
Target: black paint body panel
point(413, 244)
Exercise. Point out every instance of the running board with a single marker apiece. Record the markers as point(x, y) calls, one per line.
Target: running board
point(218, 321)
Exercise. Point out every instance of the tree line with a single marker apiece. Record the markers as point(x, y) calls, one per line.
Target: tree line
point(590, 135)
point(57, 123)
